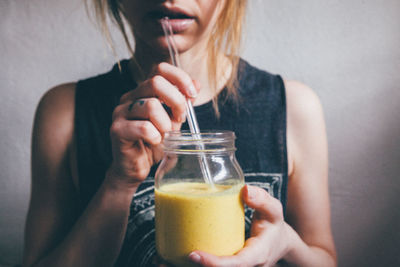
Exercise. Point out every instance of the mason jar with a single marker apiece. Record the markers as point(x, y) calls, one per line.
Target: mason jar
point(198, 196)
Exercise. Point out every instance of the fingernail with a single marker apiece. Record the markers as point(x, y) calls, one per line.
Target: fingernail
point(250, 192)
point(195, 257)
point(183, 117)
point(192, 91)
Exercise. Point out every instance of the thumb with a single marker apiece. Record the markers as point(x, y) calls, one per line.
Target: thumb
point(206, 259)
point(265, 206)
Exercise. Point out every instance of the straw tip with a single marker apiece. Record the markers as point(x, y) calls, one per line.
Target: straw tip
point(165, 25)
point(165, 19)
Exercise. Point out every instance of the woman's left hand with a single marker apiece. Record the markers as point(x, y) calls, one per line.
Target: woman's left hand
point(270, 234)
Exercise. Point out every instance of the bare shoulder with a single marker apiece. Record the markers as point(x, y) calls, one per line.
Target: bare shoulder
point(302, 102)
point(305, 123)
point(53, 126)
point(304, 109)
point(56, 107)
point(58, 99)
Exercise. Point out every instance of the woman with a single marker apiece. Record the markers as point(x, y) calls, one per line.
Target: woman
point(96, 144)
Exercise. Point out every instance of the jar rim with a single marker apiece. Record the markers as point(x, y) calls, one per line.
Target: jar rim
point(204, 136)
point(207, 141)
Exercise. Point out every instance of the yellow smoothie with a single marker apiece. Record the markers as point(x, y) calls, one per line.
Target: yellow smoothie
point(194, 216)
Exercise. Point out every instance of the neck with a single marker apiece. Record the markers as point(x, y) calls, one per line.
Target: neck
point(193, 61)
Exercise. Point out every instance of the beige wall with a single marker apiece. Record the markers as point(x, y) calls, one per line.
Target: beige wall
point(348, 51)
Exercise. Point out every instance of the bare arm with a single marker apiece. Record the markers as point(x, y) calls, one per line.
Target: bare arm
point(306, 238)
point(308, 207)
point(57, 234)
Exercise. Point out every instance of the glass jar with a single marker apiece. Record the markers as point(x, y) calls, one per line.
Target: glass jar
point(193, 213)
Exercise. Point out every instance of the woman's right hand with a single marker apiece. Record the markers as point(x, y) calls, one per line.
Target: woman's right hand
point(140, 122)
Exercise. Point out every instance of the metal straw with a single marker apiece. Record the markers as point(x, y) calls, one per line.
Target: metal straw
point(191, 116)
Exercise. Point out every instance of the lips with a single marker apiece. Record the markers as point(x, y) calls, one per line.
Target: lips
point(180, 19)
point(171, 12)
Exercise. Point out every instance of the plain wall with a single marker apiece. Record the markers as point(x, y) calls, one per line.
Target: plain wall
point(347, 51)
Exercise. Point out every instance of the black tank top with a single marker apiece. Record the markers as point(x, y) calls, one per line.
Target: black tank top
point(258, 120)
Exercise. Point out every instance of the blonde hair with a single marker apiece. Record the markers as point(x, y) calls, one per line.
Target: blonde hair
point(225, 39)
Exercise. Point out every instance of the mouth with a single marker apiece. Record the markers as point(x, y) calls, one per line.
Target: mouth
point(173, 13)
point(180, 19)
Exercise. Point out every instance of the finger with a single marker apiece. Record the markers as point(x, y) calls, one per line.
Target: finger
point(168, 163)
point(266, 206)
point(177, 77)
point(149, 109)
point(158, 153)
point(131, 131)
point(162, 89)
point(176, 126)
point(251, 254)
point(206, 259)
point(129, 110)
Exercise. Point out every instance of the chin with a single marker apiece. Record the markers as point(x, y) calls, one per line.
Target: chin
point(183, 44)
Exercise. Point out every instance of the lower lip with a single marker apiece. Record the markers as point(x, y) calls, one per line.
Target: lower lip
point(179, 25)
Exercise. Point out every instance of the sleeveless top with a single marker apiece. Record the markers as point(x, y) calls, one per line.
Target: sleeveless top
point(258, 120)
